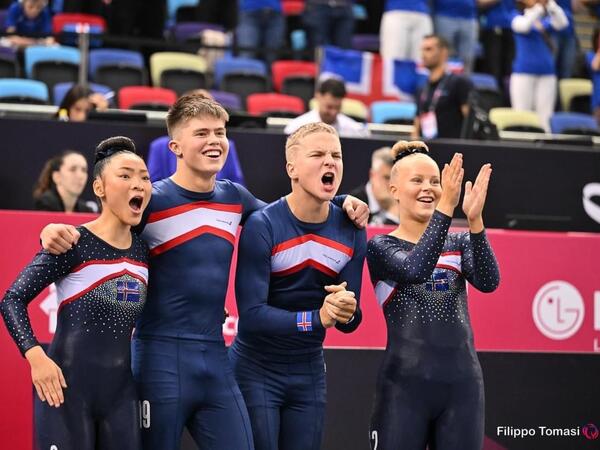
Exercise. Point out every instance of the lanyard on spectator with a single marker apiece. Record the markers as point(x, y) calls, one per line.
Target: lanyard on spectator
point(436, 94)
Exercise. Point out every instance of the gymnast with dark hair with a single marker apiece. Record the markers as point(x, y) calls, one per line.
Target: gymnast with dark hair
point(86, 394)
point(430, 385)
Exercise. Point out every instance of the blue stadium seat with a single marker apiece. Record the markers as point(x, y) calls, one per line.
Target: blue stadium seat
point(484, 80)
point(42, 53)
point(23, 91)
point(174, 5)
point(113, 57)
point(117, 68)
point(573, 123)
point(238, 65)
point(390, 111)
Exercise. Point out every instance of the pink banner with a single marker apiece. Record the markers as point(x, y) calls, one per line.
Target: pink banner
point(548, 301)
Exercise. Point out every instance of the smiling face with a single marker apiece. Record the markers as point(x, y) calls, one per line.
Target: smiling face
point(124, 187)
point(315, 165)
point(201, 143)
point(416, 186)
point(72, 175)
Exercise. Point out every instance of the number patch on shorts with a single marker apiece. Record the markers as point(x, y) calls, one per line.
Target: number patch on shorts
point(145, 414)
point(374, 440)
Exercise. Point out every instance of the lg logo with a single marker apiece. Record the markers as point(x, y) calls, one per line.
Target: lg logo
point(558, 310)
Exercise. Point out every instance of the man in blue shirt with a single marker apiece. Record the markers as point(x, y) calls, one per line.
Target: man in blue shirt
point(26, 18)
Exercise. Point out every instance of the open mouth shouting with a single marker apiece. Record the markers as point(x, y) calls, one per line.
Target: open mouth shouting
point(328, 180)
point(135, 203)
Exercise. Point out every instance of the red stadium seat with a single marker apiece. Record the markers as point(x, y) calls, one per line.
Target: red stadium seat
point(282, 105)
point(144, 97)
point(59, 21)
point(292, 7)
point(283, 69)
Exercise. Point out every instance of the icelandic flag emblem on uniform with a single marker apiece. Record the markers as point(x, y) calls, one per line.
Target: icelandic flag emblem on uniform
point(304, 321)
point(128, 291)
point(438, 281)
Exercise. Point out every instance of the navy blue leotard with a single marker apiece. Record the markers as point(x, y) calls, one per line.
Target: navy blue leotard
point(430, 386)
point(101, 291)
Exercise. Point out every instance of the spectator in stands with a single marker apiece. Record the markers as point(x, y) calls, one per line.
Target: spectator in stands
point(565, 43)
point(162, 162)
point(497, 37)
point(30, 20)
point(593, 61)
point(376, 191)
point(260, 25)
point(329, 22)
point(533, 81)
point(404, 24)
point(78, 102)
point(61, 182)
point(456, 21)
point(442, 101)
point(329, 96)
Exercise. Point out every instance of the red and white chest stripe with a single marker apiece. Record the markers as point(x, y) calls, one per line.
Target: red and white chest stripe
point(91, 274)
point(175, 226)
point(450, 261)
point(310, 250)
point(385, 290)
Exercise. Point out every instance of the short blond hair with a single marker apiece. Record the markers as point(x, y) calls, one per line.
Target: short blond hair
point(191, 106)
point(306, 130)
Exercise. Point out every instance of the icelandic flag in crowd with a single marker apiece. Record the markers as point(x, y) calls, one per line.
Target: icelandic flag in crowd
point(365, 73)
point(353, 66)
point(374, 78)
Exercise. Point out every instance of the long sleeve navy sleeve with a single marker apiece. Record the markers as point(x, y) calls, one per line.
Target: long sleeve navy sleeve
point(252, 282)
point(393, 263)
point(479, 264)
point(43, 270)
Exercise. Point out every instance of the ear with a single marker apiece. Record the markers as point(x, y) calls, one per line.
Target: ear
point(393, 190)
point(175, 148)
point(98, 187)
point(290, 168)
point(54, 176)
